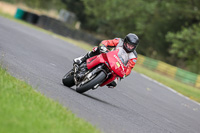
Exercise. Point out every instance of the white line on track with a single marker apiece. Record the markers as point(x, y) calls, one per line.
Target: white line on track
point(168, 88)
point(52, 64)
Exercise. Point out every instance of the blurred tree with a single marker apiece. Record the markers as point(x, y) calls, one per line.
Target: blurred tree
point(186, 45)
point(77, 7)
point(150, 19)
point(118, 17)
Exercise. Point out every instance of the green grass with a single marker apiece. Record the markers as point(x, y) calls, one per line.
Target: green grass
point(23, 110)
point(5, 15)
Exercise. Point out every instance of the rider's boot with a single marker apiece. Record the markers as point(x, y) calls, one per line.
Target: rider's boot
point(82, 59)
point(112, 84)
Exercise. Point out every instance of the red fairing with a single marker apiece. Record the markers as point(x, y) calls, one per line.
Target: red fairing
point(115, 64)
point(94, 61)
point(113, 77)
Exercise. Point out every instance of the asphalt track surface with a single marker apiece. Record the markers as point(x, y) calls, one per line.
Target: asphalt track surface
point(137, 105)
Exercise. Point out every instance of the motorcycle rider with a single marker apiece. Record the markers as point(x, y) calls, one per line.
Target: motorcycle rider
point(129, 44)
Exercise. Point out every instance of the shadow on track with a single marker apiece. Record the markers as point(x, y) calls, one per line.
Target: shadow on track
point(99, 100)
point(94, 98)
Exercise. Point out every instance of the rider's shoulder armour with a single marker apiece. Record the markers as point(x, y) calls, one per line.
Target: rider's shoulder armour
point(120, 44)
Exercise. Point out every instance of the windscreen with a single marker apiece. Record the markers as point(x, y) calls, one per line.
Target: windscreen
point(123, 55)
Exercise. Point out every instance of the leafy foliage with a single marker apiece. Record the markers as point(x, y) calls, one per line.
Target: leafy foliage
point(186, 45)
point(150, 19)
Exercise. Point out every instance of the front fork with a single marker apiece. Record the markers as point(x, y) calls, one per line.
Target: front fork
point(75, 67)
point(79, 72)
point(89, 75)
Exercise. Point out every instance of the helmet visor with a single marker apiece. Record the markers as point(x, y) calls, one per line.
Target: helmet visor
point(129, 46)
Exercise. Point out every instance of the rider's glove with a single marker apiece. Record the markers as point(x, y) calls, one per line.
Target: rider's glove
point(103, 49)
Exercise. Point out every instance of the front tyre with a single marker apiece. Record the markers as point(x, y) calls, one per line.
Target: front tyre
point(68, 79)
point(98, 79)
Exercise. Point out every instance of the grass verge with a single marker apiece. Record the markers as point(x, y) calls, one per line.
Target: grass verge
point(23, 110)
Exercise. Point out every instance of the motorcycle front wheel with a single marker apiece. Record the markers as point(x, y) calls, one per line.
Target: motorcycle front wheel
point(68, 79)
point(96, 80)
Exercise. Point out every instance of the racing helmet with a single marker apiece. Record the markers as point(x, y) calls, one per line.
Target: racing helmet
point(131, 42)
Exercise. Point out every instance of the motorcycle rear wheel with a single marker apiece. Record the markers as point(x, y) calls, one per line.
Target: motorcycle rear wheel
point(89, 85)
point(68, 79)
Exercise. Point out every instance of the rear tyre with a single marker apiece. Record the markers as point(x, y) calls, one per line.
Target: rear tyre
point(98, 79)
point(68, 79)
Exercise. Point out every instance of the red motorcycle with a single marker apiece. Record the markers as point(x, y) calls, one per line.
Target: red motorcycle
point(97, 71)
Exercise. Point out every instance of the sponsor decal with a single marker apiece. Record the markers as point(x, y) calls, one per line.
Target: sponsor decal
point(94, 49)
point(134, 60)
point(119, 61)
point(118, 65)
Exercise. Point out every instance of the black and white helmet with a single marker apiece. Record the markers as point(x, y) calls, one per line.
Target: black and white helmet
point(131, 42)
